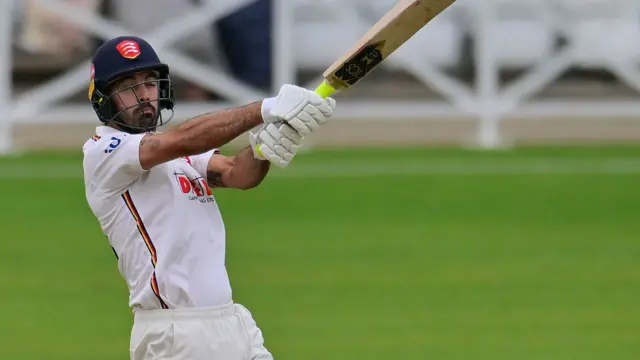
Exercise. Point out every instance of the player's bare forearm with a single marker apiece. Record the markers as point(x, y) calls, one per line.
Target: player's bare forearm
point(199, 135)
point(242, 171)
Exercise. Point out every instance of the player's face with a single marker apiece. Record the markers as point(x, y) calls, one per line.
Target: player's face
point(136, 99)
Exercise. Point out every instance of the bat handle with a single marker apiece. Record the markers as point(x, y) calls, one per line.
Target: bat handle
point(325, 90)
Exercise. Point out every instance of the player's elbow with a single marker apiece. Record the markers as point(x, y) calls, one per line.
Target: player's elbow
point(253, 184)
point(248, 183)
point(257, 177)
point(244, 175)
point(245, 187)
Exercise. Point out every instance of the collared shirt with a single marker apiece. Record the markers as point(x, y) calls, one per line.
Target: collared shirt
point(163, 224)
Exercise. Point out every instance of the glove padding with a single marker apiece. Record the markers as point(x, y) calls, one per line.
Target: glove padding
point(303, 109)
point(276, 142)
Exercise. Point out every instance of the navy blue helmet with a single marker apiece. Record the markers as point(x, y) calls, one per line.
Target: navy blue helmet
point(121, 57)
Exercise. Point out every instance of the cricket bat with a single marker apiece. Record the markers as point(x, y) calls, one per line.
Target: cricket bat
point(396, 27)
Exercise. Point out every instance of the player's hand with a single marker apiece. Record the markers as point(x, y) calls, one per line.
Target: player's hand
point(303, 109)
point(276, 142)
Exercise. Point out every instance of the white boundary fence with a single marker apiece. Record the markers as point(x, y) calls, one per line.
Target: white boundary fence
point(507, 33)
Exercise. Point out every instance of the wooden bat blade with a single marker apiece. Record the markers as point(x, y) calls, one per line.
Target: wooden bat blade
point(397, 26)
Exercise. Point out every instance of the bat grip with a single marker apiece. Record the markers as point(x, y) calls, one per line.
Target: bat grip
point(325, 90)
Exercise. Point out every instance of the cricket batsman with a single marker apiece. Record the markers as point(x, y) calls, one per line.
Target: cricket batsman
point(152, 195)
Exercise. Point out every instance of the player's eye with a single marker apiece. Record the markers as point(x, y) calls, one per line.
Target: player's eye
point(124, 86)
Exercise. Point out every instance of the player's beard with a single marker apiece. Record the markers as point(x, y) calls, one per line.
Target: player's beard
point(142, 118)
point(146, 116)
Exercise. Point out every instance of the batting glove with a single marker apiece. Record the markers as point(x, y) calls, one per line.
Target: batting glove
point(276, 142)
point(303, 109)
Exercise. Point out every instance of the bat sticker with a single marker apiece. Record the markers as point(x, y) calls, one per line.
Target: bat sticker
point(361, 63)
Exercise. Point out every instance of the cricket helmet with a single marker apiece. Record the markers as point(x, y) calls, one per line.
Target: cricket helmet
point(123, 56)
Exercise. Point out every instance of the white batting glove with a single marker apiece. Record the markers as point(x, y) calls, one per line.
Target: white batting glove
point(276, 142)
point(303, 109)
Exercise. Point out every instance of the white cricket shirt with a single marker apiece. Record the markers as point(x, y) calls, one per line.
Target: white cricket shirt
point(163, 224)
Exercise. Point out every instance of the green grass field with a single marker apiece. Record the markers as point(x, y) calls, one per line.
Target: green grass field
point(529, 254)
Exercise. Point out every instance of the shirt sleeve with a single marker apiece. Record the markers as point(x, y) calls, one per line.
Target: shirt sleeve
point(116, 161)
point(200, 162)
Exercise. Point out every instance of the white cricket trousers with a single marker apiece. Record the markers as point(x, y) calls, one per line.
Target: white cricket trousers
point(218, 333)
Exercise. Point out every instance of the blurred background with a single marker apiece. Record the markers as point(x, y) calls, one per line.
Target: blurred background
point(476, 197)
